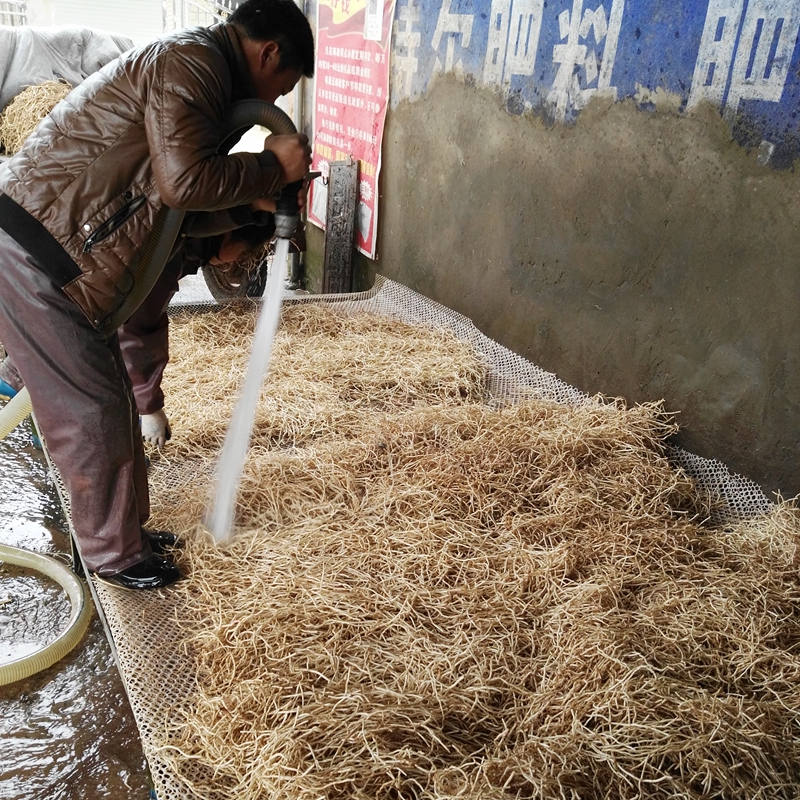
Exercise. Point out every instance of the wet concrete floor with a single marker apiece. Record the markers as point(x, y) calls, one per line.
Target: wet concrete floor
point(68, 732)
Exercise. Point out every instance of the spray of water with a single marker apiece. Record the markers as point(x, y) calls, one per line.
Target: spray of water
point(237, 440)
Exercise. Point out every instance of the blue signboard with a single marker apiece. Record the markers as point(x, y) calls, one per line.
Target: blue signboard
point(552, 56)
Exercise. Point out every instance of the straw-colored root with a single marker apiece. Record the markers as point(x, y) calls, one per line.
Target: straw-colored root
point(432, 598)
point(22, 114)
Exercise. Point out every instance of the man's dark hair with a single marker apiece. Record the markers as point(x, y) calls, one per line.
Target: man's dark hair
point(280, 21)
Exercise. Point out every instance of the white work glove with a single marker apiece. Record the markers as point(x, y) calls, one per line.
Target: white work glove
point(155, 428)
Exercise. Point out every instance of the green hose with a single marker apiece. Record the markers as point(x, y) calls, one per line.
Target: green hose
point(76, 626)
point(14, 411)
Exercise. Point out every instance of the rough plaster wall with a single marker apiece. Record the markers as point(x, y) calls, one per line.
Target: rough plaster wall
point(639, 254)
point(41, 13)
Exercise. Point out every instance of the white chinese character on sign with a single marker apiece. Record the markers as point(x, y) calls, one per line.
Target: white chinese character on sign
point(451, 25)
point(514, 27)
point(717, 44)
point(406, 44)
point(567, 91)
point(752, 64)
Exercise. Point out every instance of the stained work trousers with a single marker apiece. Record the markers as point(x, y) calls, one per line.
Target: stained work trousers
point(144, 339)
point(82, 399)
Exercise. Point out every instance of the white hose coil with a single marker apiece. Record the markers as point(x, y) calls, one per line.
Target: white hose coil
point(80, 615)
point(14, 411)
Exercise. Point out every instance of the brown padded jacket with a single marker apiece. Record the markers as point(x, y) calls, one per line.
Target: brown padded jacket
point(83, 193)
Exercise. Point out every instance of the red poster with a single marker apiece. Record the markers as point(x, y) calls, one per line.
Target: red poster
point(351, 94)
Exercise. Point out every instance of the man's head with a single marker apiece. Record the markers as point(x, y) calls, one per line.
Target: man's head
point(278, 45)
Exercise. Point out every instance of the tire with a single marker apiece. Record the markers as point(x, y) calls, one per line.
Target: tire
point(223, 289)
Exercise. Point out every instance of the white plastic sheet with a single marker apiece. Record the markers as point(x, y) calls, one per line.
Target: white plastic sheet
point(33, 55)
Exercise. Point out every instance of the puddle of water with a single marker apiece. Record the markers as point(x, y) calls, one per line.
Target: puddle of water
point(33, 611)
point(68, 732)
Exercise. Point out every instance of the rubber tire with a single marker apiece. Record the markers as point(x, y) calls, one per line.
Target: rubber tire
point(223, 291)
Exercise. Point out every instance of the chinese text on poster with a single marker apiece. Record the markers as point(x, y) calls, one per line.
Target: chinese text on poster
point(352, 88)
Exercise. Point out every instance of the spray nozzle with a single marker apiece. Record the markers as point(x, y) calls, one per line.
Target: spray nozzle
point(287, 214)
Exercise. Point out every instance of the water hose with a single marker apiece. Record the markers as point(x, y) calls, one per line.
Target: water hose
point(14, 411)
point(79, 617)
point(148, 266)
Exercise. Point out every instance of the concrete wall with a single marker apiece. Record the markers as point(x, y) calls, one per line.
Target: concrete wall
point(41, 13)
point(139, 20)
point(626, 215)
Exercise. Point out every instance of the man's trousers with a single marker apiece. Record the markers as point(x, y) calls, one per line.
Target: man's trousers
point(82, 400)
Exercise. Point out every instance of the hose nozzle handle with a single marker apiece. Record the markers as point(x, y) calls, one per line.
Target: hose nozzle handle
point(287, 214)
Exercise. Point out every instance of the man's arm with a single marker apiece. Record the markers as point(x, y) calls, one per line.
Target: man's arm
point(184, 120)
point(202, 224)
point(144, 339)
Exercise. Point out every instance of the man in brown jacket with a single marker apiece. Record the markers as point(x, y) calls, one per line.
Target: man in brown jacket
point(76, 205)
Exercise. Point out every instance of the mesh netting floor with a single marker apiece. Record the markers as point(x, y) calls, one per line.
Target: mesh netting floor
point(142, 626)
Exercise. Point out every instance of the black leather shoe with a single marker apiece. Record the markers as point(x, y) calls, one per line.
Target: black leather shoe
point(152, 573)
point(160, 541)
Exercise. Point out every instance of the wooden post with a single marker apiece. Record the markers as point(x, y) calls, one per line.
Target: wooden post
point(337, 275)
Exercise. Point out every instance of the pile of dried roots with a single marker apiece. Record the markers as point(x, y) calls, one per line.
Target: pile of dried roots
point(434, 597)
point(22, 114)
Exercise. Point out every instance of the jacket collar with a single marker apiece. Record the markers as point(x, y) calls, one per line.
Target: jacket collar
point(231, 46)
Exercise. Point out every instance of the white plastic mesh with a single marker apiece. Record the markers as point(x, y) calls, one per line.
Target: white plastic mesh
point(142, 625)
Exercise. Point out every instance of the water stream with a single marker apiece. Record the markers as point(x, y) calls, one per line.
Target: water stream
point(231, 460)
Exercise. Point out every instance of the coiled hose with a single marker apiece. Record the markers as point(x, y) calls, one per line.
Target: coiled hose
point(14, 411)
point(79, 617)
point(150, 264)
point(168, 221)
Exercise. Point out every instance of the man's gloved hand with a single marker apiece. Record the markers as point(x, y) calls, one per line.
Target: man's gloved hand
point(155, 428)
